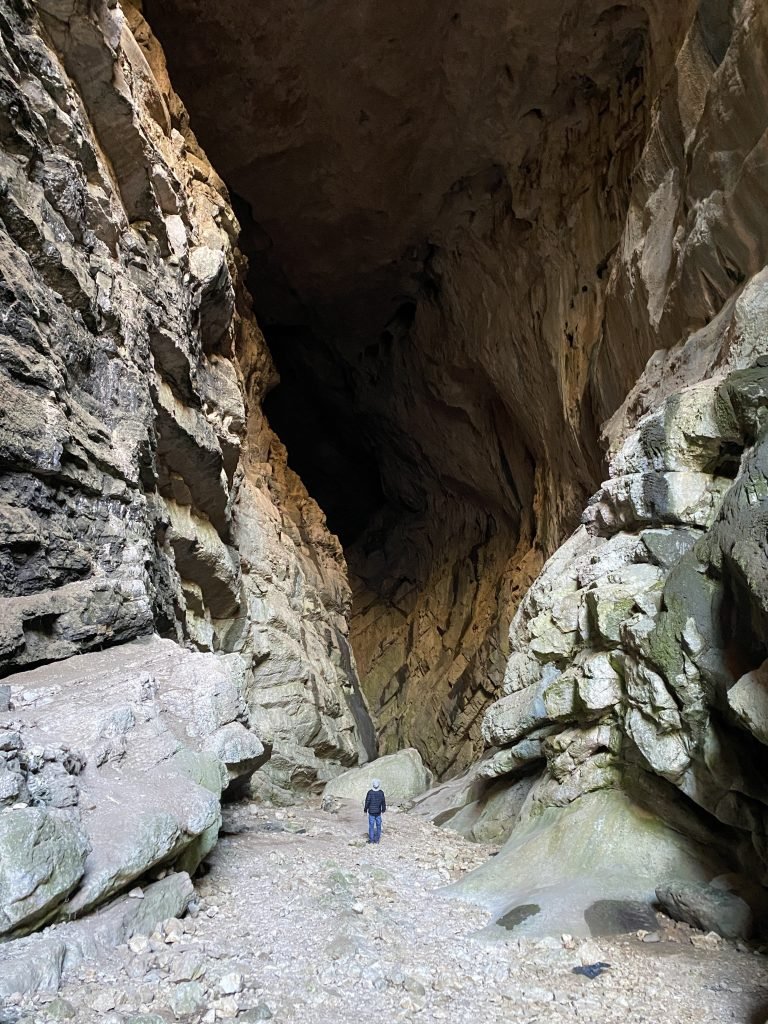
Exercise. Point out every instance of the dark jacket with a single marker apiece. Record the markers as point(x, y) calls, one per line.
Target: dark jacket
point(375, 802)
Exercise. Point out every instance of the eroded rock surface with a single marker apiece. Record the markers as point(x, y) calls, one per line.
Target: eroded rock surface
point(470, 229)
point(638, 653)
point(142, 489)
point(122, 757)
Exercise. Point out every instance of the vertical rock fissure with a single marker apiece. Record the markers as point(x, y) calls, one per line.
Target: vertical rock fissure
point(431, 230)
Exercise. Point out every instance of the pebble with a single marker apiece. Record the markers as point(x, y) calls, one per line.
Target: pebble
point(227, 1008)
point(187, 967)
point(256, 1013)
point(312, 926)
point(187, 998)
point(232, 983)
point(103, 1001)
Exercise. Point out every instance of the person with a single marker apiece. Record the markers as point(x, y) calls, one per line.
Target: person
point(375, 805)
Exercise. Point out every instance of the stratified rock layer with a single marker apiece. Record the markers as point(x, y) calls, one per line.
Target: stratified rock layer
point(142, 489)
point(470, 229)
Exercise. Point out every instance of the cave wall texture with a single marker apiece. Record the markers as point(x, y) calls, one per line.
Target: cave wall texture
point(439, 203)
point(504, 259)
point(142, 489)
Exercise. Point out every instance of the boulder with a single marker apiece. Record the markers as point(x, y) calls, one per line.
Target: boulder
point(403, 776)
point(36, 963)
point(42, 858)
point(139, 740)
point(677, 498)
point(707, 907)
point(748, 700)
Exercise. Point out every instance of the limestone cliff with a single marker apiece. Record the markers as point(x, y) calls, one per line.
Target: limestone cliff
point(499, 256)
point(638, 653)
point(434, 200)
point(142, 489)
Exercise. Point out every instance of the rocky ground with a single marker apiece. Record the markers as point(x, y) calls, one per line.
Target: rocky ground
point(300, 920)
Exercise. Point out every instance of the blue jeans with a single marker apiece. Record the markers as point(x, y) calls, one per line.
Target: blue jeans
point(374, 827)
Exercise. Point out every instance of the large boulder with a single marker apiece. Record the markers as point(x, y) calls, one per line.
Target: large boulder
point(403, 776)
point(42, 858)
point(708, 907)
point(137, 743)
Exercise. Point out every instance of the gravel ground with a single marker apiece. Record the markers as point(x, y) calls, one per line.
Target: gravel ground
point(301, 921)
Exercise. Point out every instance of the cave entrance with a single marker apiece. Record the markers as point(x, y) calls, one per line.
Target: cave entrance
point(429, 554)
point(430, 206)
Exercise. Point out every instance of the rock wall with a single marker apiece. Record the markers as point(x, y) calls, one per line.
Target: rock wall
point(434, 198)
point(638, 654)
point(142, 489)
point(475, 237)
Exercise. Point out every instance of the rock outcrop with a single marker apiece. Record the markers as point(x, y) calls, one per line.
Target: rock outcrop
point(118, 761)
point(488, 248)
point(639, 650)
point(638, 653)
point(142, 489)
point(469, 231)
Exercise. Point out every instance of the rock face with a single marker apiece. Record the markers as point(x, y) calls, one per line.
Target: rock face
point(402, 775)
point(590, 868)
point(142, 489)
point(638, 652)
point(478, 238)
point(469, 231)
point(42, 862)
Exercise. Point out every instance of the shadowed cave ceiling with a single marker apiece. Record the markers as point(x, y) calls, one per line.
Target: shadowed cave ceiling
point(431, 198)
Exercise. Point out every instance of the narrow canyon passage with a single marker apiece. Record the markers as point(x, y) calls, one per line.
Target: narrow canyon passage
point(430, 204)
point(383, 395)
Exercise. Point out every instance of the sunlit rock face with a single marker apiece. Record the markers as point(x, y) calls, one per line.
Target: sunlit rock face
point(142, 490)
point(463, 226)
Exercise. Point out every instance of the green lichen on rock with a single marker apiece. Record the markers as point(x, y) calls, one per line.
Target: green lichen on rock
point(42, 858)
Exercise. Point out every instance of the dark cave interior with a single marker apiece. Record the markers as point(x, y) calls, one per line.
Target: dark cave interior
point(422, 242)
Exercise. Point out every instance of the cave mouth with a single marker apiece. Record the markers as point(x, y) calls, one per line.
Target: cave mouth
point(430, 204)
point(428, 494)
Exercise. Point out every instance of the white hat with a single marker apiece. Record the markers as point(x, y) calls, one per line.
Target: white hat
point(376, 783)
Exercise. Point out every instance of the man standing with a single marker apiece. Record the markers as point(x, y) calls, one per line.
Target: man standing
point(375, 805)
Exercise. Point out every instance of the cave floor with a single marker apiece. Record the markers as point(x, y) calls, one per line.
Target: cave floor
point(308, 923)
